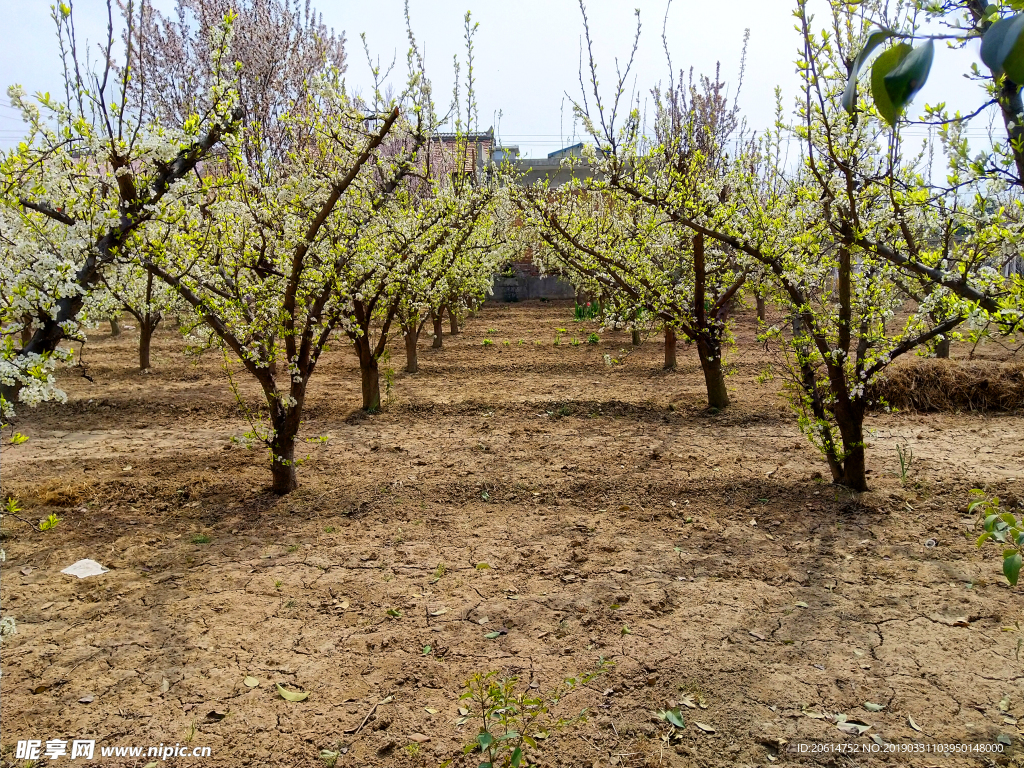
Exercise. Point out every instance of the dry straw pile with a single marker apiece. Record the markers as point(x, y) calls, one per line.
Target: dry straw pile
point(953, 385)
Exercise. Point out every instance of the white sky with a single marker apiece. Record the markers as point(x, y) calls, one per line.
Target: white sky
point(527, 53)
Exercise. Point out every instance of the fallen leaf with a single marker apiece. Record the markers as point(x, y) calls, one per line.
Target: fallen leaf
point(430, 711)
point(439, 612)
point(1002, 738)
point(815, 715)
point(26, 570)
point(492, 635)
point(687, 701)
point(45, 606)
point(463, 711)
point(1004, 704)
point(912, 724)
point(482, 620)
point(154, 764)
point(251, 682)
point(853, 727)
point(426, 650)
point(87, 699)
point(872, 707)
point(801, 605)
point(394, 614)
point(704, 727)
point(344, 604)
point(878, 739)
point(673, 717)
point(165, 686)
point(482, 566)
point(291, 695)
point(758, 635)
point(419, 738)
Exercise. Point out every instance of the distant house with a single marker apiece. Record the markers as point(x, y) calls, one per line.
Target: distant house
point(462, 154)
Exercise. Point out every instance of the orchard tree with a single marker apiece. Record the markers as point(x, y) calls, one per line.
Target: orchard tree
point(627, 227)
point(137, 290)
point(844, 240)
point(266, 259)
point(278, 48)
point(92, 172)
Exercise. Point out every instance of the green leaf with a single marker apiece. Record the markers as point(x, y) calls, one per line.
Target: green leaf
point(884, 64)
point(908, 77)
point(394, 614)
point(492, 635)
point(1011, 568)
point(1001, 47)
point(673, 716)
point(875, 38)
point(291, 695)
point(485, 740)
point(251, 682)
point(517, 757)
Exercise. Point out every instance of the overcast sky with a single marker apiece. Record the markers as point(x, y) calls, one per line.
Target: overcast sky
point(528, 53)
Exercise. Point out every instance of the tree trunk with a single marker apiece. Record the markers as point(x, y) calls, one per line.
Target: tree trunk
point(850, 421)
point(283, 463)
point(635, 338)
point(115, 327)
point(942, 348)
point(146, 328)
point(714, 376)
point(26, 330)
point(369, 374)
point(412, 364)
point(453, 320)
point(670, 348)
point(760, 306)
point(437, 319)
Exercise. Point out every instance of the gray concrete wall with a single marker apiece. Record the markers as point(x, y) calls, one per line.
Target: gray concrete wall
point(524, 287)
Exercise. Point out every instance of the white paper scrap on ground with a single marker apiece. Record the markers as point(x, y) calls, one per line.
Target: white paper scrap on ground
point(84, 568)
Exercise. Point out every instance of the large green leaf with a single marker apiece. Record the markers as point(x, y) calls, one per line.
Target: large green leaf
point(884, 64)
point(907, 78)
point(1011, 568)
point(1001, 46)
point(875, 38)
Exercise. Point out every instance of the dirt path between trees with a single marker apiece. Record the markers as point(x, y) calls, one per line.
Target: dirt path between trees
point(578, 510)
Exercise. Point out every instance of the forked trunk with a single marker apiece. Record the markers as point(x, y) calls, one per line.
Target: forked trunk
point(369, 375)
point(714, 375)
point(852, 471)
point(437, 319)
point(115, 327)
point(146, 328)
point(412, 363)
point(670, 348)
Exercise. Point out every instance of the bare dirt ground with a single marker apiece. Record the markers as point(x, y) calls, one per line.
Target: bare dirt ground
point(702, 555)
